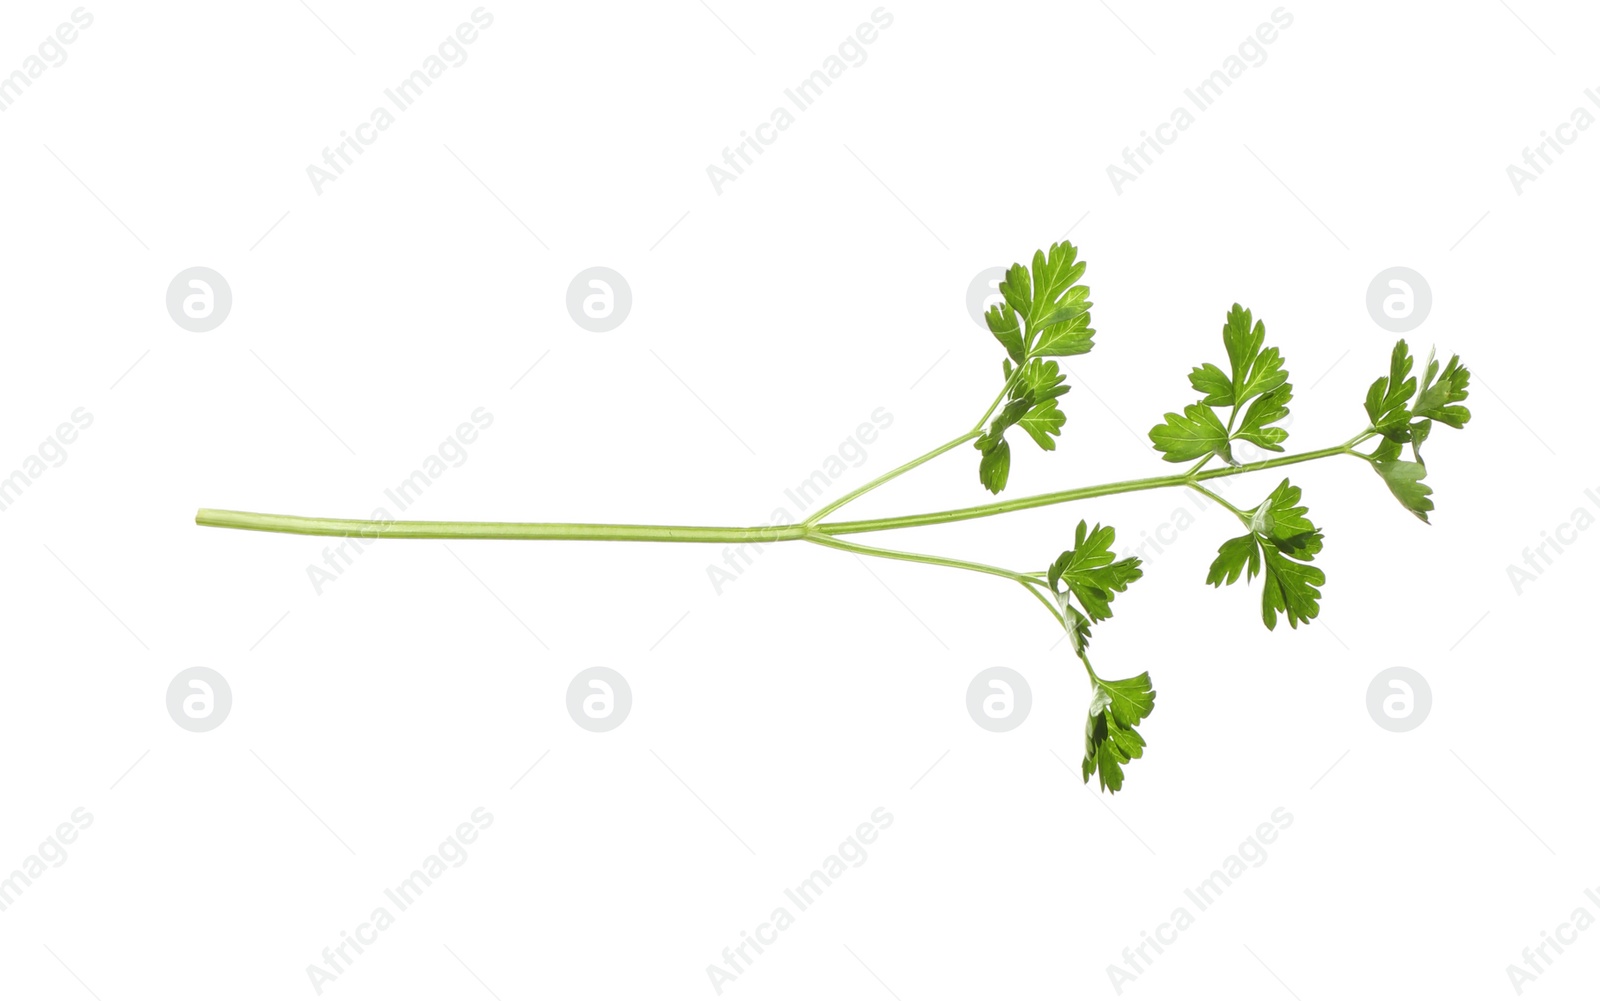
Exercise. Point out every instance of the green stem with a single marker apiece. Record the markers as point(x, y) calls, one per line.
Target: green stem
point(296, 525)
point(977, 429)
point(1076, 493)
point(894, 554)
point(1220, 500)
point(1047, 604)
point(1011, 380)
point(886, 477)
point(360, 528)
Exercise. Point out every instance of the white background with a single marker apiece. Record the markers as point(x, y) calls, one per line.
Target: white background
point(767, 323)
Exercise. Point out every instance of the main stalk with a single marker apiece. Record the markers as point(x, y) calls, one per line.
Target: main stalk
point(369, 529)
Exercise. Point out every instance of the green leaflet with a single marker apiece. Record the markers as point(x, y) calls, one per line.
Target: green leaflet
point(1404, 480)
point(1290, 588)
point(1043, 422)
point(995, 466)
point(1002, 321)
point(1233, 557)
point(1197, 432)
point(1255, 371)
point(1214, 383)
point(1267, 409)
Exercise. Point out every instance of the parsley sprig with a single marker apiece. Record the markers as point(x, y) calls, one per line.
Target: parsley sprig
point(1044, 315)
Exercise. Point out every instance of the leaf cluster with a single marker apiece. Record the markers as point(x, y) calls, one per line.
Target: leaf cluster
point(1044, 314)
point(1281, 543)
point(1085, 580)
point(1255, 390)
point(1404, 413)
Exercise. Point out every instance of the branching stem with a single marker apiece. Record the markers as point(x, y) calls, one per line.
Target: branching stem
point(370, 529)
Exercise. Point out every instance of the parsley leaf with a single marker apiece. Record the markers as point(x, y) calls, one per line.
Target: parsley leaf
point(1400, 419)
point(1281, 519)
point(1387, 398)
point(1197, 432)
point(1045, 313)
point(1091, 571)
point(1291, 588)
point(995, 466)
point(1043, 423)
point(1256, 374)
point(1054, 307)
point(1436, 400)
point(1404, 479)
point(1110, 740)
point(1232, 557)
point(1042, 380)
point(1281, 543)
point(1269, 408)
point(1214, 383)
point(1254, 371)
point(1058, 316)
point(1032, 406)
point(1002, 320)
